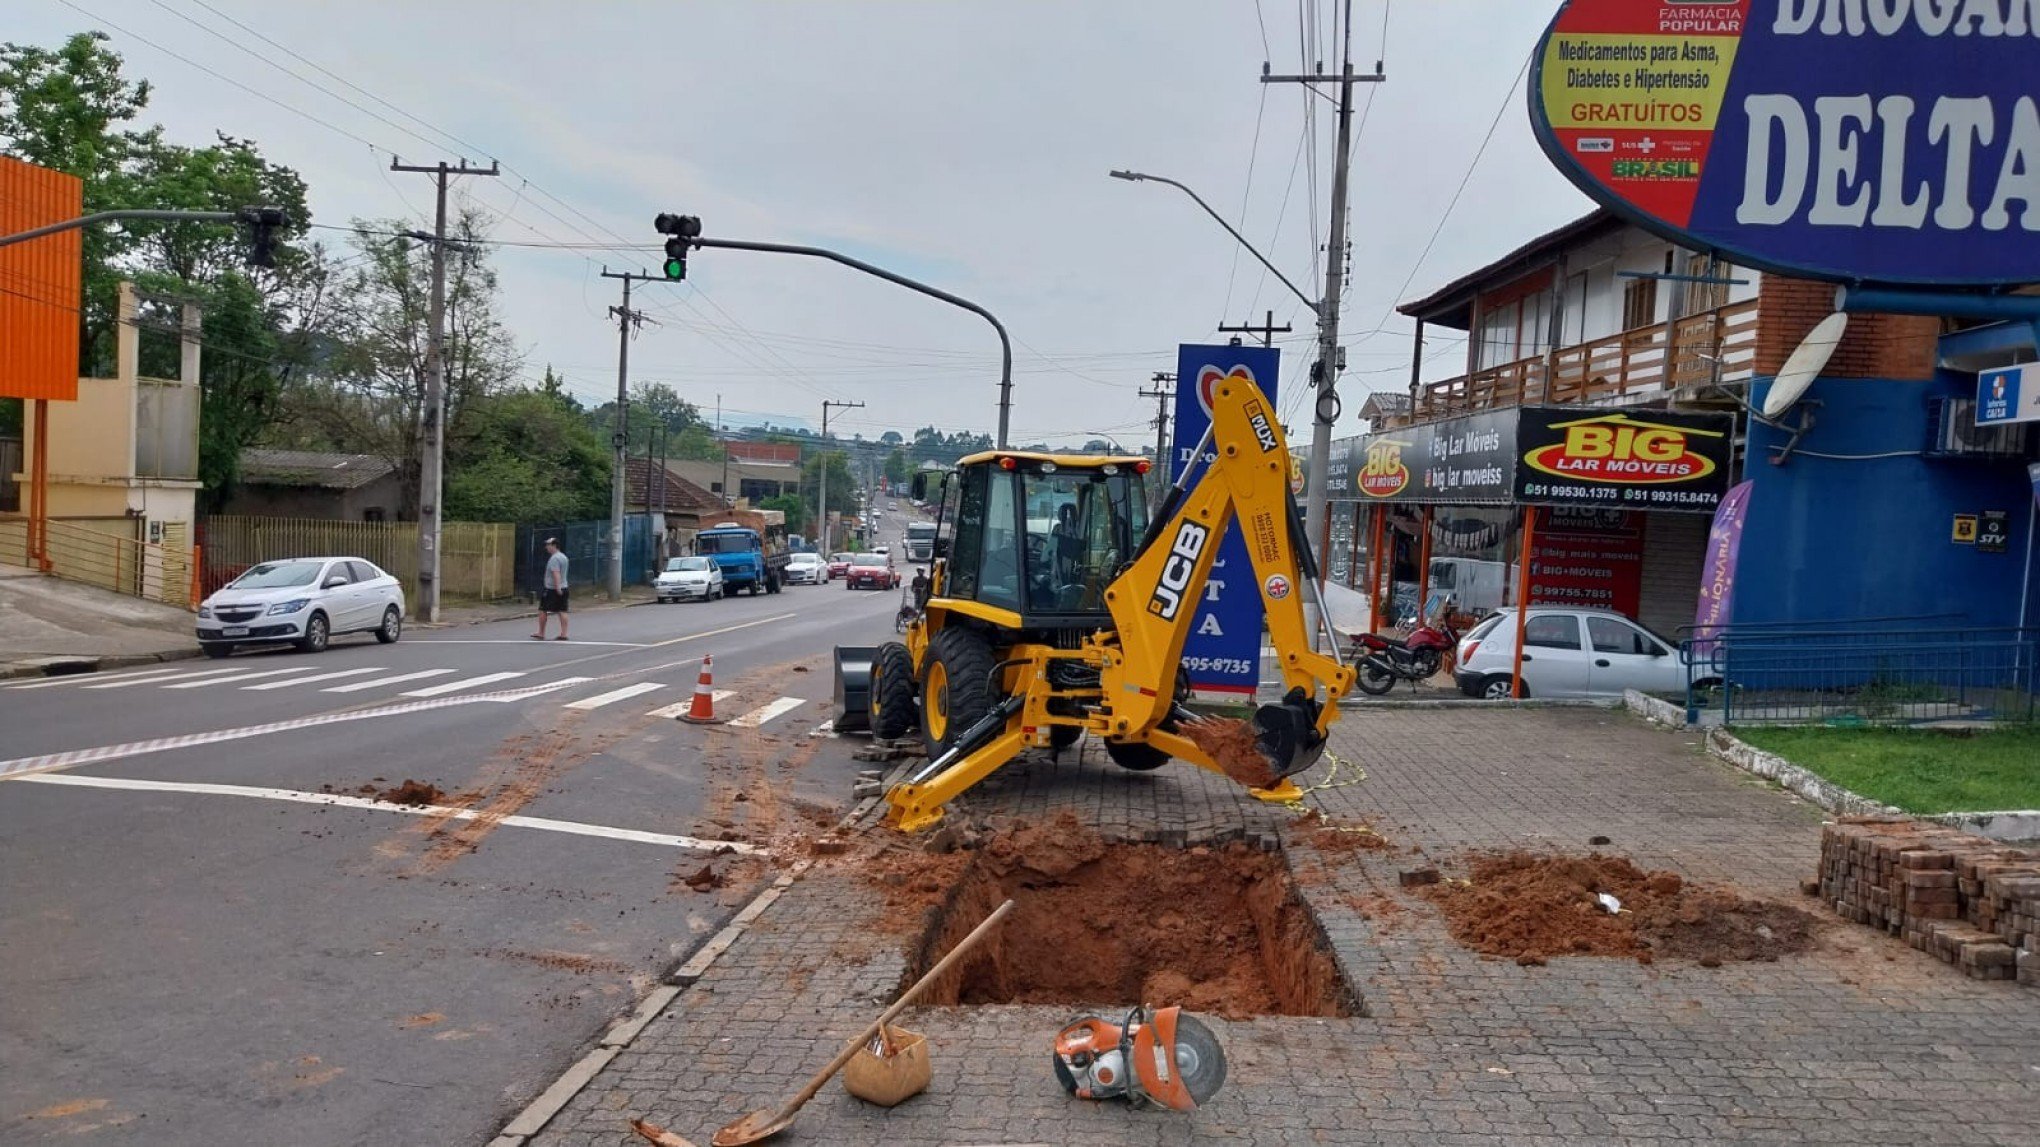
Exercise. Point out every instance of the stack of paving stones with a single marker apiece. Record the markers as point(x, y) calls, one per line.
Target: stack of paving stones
point(1968, 900)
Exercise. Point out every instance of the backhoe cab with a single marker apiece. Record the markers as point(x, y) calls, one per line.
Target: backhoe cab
point(1057, 608)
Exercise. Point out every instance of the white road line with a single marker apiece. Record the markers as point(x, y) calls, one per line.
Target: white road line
point(764, 713)
point(615, 695)
point(91, 678)
point(239, 677)
point(296, 681)
point(524, 641)
point(158, 678)
point(546, 824)
point(73, 758)
point(379, 682)
point(463, 683)
point(509, 695)
point(716, 695)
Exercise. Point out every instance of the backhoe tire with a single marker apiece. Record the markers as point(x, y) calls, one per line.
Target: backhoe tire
point(893, 712)
point(956, 687)
point(1140, 758)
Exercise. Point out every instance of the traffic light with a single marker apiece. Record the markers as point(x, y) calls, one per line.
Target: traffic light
point(682, 229)
point(262, 223)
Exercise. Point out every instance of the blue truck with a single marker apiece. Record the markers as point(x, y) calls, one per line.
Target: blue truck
point(748, 557)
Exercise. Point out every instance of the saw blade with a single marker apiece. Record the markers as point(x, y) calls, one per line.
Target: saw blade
point(1200, 1061)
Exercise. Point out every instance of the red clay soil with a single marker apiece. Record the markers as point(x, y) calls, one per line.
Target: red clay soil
point(1213, 930)
point(1230, 743)
point(413, 793)
point(1534, 907)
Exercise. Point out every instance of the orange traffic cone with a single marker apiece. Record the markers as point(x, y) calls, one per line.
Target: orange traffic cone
point(702, 712)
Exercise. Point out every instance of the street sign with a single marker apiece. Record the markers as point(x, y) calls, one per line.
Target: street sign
point(2009, 394)
point(1887, 142)
point(1994, 533)
point(1223, 653)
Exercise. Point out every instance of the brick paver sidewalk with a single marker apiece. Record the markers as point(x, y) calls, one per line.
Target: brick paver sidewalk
point(1861, 1041)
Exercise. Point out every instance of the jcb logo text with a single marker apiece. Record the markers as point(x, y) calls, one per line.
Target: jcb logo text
point(1167, 600)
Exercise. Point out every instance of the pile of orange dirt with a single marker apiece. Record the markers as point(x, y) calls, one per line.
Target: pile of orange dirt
point(413, 793)
point(1230, 743)
point(1109, 925)
point(1534, 907)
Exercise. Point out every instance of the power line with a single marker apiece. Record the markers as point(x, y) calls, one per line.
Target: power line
point(294, 110)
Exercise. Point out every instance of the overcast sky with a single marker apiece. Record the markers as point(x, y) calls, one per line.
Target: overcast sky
point(964, 143)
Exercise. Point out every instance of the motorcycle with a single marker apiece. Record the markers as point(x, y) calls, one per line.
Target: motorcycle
point(1380, 662)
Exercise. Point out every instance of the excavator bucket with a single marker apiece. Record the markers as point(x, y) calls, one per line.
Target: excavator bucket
point(1286, 734)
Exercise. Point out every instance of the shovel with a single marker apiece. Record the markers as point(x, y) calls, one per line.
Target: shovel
point(763, 1124)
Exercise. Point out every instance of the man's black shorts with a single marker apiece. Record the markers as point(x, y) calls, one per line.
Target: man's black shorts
point(552, 601)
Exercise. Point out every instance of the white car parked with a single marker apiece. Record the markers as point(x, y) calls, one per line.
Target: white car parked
point(1568, 651)
point(689, 578)
point(807, 569)
point(304, 602)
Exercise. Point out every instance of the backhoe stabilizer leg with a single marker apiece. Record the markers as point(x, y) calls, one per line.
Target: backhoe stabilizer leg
point(917, 803)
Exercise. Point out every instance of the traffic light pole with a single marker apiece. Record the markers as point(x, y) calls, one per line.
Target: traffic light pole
point(1005, 342)
point(245, 215)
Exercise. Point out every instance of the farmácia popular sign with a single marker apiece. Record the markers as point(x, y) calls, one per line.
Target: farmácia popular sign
point(1876, 141)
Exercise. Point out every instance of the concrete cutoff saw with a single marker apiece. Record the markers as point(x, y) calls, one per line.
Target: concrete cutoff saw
point(1161, 1056)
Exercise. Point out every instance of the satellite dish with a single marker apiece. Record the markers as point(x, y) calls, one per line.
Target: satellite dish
point(1805, 364)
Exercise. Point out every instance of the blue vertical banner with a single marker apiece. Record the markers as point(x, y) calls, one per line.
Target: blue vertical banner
point(1223, 654)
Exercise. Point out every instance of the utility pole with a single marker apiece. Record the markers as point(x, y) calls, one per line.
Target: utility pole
point(627, 321)
point(1325, 374)
point(432, 450)
point(1163, 462)
point(724, 443)
point(822, 496)
point(1267, 330)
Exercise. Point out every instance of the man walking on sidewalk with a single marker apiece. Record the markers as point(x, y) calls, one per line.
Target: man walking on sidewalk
point(552, 599)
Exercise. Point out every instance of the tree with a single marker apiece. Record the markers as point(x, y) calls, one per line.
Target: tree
point(652, 404)
point(696, 444)
point(896, 467)
point(892, 438)
point(793, 506)
point(374, 398)
point(532, 458)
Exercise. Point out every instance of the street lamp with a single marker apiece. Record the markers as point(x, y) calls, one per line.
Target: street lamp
point(1143, 177)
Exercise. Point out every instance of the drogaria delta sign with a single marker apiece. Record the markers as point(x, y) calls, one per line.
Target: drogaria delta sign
point(1871, 141)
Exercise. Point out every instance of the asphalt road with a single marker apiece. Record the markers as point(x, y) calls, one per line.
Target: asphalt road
point(234, 964)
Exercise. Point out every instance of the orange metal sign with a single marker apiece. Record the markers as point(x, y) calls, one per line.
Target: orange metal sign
point(40, 283)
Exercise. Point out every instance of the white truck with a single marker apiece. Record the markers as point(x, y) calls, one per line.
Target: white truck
point(920, 541)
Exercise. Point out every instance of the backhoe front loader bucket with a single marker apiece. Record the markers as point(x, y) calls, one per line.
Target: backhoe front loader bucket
point(1287, 734)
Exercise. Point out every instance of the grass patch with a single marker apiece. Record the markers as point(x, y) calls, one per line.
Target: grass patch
point(1918, 770)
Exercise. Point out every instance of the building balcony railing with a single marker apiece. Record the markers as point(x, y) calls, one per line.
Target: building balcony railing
point(1713, 346)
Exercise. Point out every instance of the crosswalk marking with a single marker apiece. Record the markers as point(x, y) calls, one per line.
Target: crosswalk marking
point(615, 695)
point(671, 711)
point(379, 682)
point(463, 683)
point(766, 712)
point(157, 671)
point(237, 677)
point(296, 681)
point(508, 695)
point(157, 678)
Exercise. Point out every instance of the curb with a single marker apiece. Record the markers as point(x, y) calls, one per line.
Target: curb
point(2021, 824)
point(1477, 703)
point(1656, 710)
point(72, 666)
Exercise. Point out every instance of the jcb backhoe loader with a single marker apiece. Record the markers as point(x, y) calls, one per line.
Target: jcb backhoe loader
point(1056, 609)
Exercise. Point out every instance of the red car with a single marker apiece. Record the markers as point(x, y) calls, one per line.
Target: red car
point(839, 564)
point(872, 571)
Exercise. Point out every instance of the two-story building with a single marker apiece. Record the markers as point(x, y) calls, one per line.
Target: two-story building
point(1610, 398)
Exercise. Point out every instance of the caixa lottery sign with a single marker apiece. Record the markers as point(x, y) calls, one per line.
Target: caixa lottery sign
point(1880, 141)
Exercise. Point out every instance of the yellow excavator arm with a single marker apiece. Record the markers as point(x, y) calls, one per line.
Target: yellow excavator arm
point(1123, 683)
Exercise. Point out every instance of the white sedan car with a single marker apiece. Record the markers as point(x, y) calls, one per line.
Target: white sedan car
point(807, 569)
point(1568, 651)
point(304, 602)
point(684, 578)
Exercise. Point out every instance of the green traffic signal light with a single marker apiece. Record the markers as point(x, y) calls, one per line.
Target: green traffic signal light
point(676, 268)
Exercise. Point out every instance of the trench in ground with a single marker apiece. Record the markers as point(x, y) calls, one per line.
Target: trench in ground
point(1220, 930)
